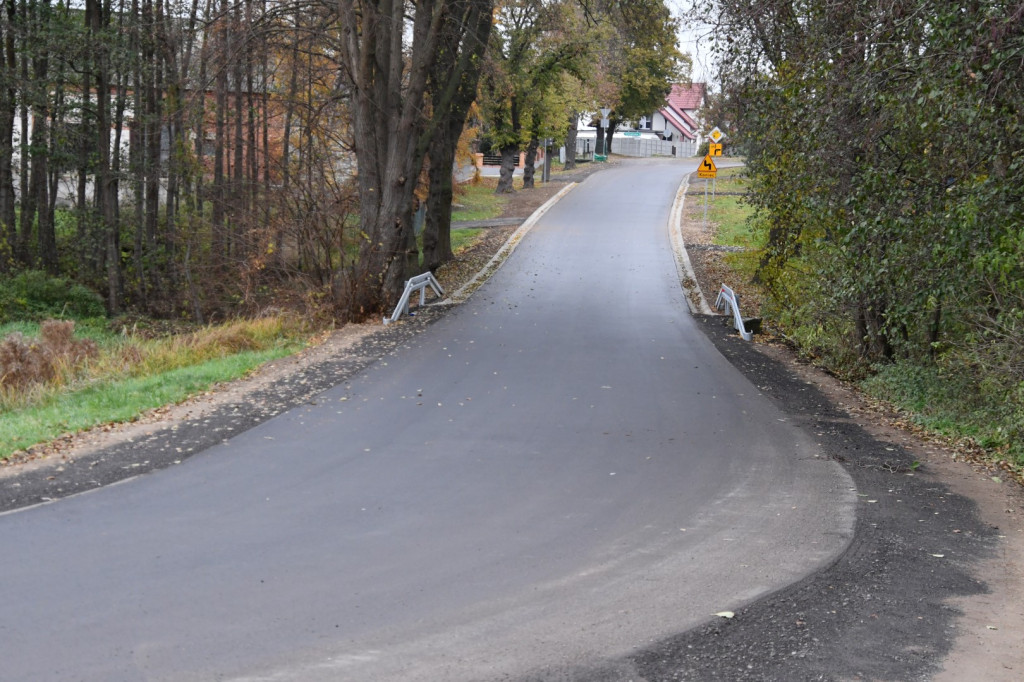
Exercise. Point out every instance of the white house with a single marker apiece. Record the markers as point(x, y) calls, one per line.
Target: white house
point(672, 130)
point(678, 120)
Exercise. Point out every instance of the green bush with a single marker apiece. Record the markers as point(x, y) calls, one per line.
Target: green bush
point(34, 295)
point(955, 400)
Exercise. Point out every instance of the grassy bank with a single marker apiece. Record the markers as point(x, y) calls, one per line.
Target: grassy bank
point(941, 395)
point(477, 201)
point(123, 375)
point(105, 373)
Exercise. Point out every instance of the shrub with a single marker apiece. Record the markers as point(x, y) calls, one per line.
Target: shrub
point(34, 295)
point(25, 361)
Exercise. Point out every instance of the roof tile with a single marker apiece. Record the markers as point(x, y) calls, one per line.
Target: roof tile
point(684, 97)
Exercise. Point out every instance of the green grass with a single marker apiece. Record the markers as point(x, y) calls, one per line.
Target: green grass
point(462, 239)
point(134, 374)
point(477, 202)
point(90, 328)
point(130, 375)
point(725, 208)
point(731, 179)
point(730, 213)
point(951, 403)
point(119, 401)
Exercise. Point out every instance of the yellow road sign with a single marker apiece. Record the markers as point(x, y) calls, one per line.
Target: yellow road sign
point(716, 135)
point(715, 149)
point(707, 168)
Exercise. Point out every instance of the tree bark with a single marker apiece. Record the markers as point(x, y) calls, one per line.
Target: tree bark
point(106, 187)
point(40, 153)
point(509, 159)
point(388, 85)
point(570, 141)
point(460, 49)
point(27, 200)
point(220, 240)
point(437, 230)
point(8, 111)
point(529, 162)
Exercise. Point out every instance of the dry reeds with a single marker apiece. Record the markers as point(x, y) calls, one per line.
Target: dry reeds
point(55, 354)
point(33, 370)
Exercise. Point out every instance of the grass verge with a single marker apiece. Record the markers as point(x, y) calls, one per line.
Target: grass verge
point(477, 201)
point(121, 401)
point(464, 239)
point(729, 212)
point(949, 403)
point(130, 375)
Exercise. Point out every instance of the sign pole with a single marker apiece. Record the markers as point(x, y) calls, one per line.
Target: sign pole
point(705, 204)
point(708, 171)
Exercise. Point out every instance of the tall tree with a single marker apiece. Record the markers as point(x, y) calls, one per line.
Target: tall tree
point(387, 61)
point(894, 237)
point(533, 45)
point(642, 62)
point(462, 46)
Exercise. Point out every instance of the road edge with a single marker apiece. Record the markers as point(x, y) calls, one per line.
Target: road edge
point(684, 267)
point(466, 290)
point(166, 436)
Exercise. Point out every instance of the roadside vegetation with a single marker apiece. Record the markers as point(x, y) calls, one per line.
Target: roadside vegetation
point(728, 210)
point(888, 207)
point(476, 200)
point(64, 375)
point(66, 367)
point(196, 173)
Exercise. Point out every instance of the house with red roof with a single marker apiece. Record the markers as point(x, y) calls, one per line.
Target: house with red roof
point(677, 121)
point(672, 130)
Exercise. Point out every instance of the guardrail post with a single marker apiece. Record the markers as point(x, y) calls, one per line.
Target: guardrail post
point(418, 283)
point(727, 298)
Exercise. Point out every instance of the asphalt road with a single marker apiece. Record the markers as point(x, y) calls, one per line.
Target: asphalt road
point(563, 471)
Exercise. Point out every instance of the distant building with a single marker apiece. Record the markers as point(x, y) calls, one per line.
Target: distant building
point(679, 119)
point(673, 130)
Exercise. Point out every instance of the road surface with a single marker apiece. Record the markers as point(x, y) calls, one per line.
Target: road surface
point(561, 471)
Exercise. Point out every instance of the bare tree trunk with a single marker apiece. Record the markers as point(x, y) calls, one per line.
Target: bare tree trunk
point(437, 229)
point(529, 162)
point(27, 199)
point(459, 48)
point(391, 136)
point(106, 188)
point(570, 141)
point(137, 150)
point(40, 152)
point(509, 159)
point(8, 112)
point(238, 188)
point(86, 245)
point(220, 240)
point(112, 206)
point(198, 195)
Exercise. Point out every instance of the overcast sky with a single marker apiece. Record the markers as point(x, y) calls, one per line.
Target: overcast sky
point(694, 39)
